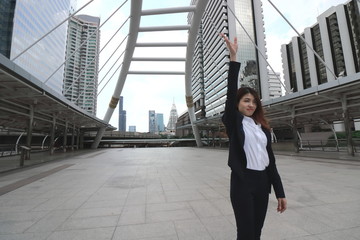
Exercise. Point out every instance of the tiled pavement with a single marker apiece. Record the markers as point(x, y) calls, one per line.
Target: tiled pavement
point(171, 194)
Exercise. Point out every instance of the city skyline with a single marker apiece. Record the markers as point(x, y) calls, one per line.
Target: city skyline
point(166, 88)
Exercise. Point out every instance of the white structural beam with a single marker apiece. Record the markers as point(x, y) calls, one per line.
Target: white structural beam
point(158, 59)
point(164, 28)
point(156, 72)
point(136, 6)
point(193, 32)
point(165, 44)
point(168, 10)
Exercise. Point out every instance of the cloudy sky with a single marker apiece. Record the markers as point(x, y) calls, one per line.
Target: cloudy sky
point(158, 92)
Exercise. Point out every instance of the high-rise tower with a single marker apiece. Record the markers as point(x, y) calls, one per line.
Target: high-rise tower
point(160, 122)
point(81, 67)
point(210, 63)
point(122, 115)
point(171, 126)
point(152, 121)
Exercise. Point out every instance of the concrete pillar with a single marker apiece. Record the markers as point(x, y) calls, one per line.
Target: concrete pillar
point(65, 136)
point(81, 140)
point(350, 146)
point(52, 136)
point(295, 132)
point(213, 136)
point(78, 139)
point(73, 138)
point(29, 131)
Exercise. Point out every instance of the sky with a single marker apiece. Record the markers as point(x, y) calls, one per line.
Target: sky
point(158, 92)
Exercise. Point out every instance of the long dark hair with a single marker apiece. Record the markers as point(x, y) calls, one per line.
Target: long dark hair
point(258, 115)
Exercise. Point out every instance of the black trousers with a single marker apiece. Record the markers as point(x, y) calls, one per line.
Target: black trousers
point(249, 198)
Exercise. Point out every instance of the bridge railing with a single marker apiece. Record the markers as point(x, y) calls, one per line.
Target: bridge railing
point(117, 134)
point(330, 145)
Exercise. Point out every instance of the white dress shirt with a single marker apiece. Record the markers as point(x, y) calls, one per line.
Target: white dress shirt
point(255, 145)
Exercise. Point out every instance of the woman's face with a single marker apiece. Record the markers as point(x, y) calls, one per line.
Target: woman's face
point(247, 105)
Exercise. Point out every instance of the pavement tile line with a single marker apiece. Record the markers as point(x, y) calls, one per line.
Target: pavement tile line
point(11, 187)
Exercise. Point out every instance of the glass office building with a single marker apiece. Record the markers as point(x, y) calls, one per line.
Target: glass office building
point(7, 9)
point(32, 20)
point(210, 62)
point(82, 64)
point(160, 126)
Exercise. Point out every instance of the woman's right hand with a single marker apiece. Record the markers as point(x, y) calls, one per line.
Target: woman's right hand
point(232, 46)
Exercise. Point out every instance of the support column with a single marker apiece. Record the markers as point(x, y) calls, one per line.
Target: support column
point(29, 132)
point(191, 111)
point(65, 136)
point(73, 138)
point(78, 139)
point(81, 140)
point(192, 34)
point(294, 130)
point(348, 133)
point(52, 136)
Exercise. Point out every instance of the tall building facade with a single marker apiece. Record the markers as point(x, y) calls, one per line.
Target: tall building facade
point(335, 38)
point(7, 10)
point(274, 84)
point(152, 121)
point(160, 127)
point(82, 62)
point(132, 128)
point(171, 126)
point(32, 20)
point(210, 65)
point(122, 115)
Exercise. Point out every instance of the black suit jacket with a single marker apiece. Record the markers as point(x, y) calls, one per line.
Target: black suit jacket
point(232, 120)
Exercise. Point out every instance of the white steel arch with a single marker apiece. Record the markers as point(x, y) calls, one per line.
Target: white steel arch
point(136, 13)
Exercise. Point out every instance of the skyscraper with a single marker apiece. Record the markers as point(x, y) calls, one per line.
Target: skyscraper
point(160, 122)
point(171, 126)
point(122, 115)
point(81, 67)
point(210, 63)
point(31, 21)
point(152, 124)
point(335, 38)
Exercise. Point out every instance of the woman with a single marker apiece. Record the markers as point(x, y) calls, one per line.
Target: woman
point(251, 159)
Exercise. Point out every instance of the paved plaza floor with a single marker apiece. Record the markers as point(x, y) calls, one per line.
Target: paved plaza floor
point(171, 194)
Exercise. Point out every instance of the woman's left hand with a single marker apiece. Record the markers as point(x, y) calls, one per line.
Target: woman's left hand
point(282, 205)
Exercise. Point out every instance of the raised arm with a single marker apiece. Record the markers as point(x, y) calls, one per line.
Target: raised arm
point(229, 116)
point(232, 47)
